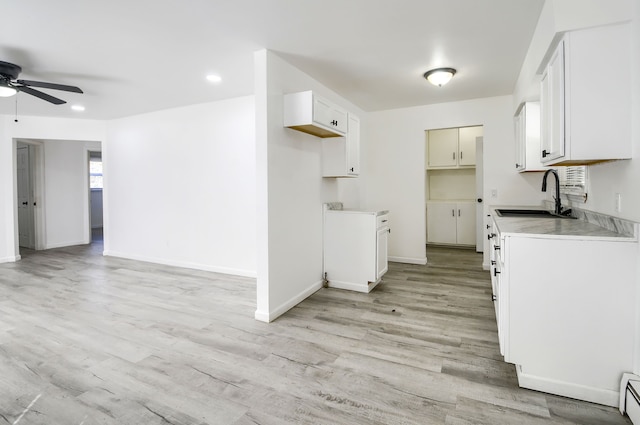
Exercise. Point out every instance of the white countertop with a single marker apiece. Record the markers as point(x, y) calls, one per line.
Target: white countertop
point(563, 228)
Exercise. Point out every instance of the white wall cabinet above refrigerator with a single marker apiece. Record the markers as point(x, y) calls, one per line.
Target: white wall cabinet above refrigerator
point(585, 97)
point(341, 155)
point(312, 114)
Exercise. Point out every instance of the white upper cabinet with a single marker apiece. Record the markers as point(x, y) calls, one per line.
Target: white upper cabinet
point(341, 155)
point(452, 147)
point(312, 114)
point(527, 129)
point(585, 97)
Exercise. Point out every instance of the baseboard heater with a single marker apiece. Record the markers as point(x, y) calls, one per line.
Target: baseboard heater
point(630, 397)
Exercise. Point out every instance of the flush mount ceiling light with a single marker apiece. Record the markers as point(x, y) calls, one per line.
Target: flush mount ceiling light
point(439, 76)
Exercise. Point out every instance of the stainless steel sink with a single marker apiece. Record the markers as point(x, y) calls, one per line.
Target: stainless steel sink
point(513, 212)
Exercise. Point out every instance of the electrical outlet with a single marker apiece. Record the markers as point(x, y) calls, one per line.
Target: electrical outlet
point(494, 193)
point(618, 202)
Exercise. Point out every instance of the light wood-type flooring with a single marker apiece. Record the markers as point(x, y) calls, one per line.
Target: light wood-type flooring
point(87, 339)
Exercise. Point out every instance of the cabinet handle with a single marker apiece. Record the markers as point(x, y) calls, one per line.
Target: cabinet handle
point(460, 154)
point(389, 230)
point(490, 235)
point(517, 165)
point(453, 213)
point(454, 156)
point(496, 272)
point(384, 221)
point(351, 169)
point(334, 122)
point(493, 262)
point(459, 210)
point(493, 297)
point(545, 153)
point(488, 226)
point(497, 247)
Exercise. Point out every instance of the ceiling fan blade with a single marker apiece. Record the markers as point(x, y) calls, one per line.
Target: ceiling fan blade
point(40, 94)
point(53, 86)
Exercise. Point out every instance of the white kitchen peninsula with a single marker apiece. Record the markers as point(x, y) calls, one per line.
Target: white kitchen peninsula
point(566, 303)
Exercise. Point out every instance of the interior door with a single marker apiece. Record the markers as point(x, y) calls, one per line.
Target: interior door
point(480, 215)
point(26, 227)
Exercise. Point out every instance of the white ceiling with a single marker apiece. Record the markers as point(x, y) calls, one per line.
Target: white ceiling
point(136, 56)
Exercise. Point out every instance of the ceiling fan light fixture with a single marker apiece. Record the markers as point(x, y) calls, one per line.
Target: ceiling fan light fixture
point(214, 78)
point(6, 91)
point(439, 76)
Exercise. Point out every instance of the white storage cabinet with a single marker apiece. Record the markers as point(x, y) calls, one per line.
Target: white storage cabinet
point(527, 137)
point(310, 113)
point(451, 223)
point(341, 155)
point(585, 120)
point(355, 248)
point(452, 147)
point(565, 310)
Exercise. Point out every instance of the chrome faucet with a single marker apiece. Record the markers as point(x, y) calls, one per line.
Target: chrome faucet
point(558, 209)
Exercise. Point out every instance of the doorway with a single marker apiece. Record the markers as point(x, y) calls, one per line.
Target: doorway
point(95, 196)
point(53, 197)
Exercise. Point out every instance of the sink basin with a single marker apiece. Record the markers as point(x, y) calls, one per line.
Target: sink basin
point(512, 212)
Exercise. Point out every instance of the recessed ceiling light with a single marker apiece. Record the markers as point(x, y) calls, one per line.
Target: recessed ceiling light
point(78, 108)
point(214, 78)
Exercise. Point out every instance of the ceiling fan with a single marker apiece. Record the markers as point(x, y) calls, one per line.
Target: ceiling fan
point(9, 85)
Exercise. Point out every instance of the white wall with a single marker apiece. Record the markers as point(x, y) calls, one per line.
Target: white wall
point(66, 192)
point(394, 165)
point(291, 191)
point(179, 187)
point(35, 128)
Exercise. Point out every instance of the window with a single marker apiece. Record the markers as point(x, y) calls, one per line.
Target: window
point(95, 170)
point(573, 181)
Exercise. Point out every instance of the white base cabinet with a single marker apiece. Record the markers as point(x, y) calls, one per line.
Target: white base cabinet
point(355, 248)
point(451, 223)
point(566, 312)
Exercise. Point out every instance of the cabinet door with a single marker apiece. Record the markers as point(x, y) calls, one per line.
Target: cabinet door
point(552, 105)
point(442, 147)
point(520, 138)
point(353, 146)
point(466, 223)
point(441, 222)
point(467, 145)
point(382, 264)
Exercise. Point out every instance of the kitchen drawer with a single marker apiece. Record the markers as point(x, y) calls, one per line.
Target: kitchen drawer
point(382, 221)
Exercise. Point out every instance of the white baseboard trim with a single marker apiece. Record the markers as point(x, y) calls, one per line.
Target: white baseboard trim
point(568, 389)
point(272, 315)
point(64, 244)
point(184, 264)
point(409, 260)
point(10, 259)
point(358, 287)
